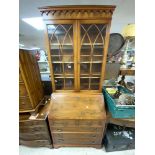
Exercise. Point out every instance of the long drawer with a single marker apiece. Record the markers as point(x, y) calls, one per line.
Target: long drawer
point(37, 136)
point(76, 129)
point(24, 103)
point(77, 141)
point(34, 143)
point(33, 123)
point(33, 129)
point(75, 123)
point(77, 135)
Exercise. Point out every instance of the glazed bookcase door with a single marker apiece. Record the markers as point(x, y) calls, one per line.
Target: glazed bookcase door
point(92, 41)
point(61, 53)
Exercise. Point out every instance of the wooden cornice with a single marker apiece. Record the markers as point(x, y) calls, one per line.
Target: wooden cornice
point(77, 12)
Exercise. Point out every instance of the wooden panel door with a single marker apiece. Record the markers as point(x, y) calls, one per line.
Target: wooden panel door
point(62, 54)
point(92, 54)
point(30, 86)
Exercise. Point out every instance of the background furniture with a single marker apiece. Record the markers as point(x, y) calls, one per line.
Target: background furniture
point(77, 39)
point(33, 130)
point(30, 86)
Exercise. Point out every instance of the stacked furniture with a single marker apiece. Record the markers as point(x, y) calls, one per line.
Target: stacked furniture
point(33, 109)
point(33, 130)
point(77, 39)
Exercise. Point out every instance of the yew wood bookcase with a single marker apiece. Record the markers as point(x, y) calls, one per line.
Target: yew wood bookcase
point(77, 39)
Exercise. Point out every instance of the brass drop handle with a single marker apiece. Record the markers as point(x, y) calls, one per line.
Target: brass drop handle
point(60, 135)
point(93, 135)
point(59, 130)
point(93, 142)
point(60, 139)
point(95, 129)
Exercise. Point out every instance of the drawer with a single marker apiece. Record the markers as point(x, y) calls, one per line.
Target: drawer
point(77, 141)
point(35, 143)
point(33, 130)
point(75, 123)
point(24, 103)
point(34, 123)
point(22, 90)
point(27, 136)
point(77, 135)
point(76, 129)
point(32, 126)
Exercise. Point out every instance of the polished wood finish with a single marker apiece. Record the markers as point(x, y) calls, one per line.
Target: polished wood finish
point(77, 37)
point(35, 132)
point(30, 86)
point(75, 120)
point(78, 12)
point(75, 16)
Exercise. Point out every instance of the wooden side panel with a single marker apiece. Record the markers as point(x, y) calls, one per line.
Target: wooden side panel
point(105, 55)
point(31, 77)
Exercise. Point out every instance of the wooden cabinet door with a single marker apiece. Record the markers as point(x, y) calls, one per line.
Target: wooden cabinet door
point(61, 41)
point(93, 44)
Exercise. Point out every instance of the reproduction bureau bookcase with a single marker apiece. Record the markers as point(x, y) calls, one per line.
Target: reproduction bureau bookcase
point(30, 86)
point(77, 39)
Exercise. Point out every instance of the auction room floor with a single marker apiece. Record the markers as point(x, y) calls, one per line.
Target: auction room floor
point(23, 150)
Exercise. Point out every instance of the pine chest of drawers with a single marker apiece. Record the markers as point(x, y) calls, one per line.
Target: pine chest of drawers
point(77, 119)
point(35, 132)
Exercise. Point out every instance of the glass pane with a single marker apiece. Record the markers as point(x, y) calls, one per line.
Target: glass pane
point(84, 83)
point(91, 54)
point(69, 83)
point(95, 83)
point(59, 83)
point(85, 49)
point(84, 68)
point(69, 68)
point(96, 68)
point(62, 54)
point(97, 59)
point(67, 58)
point(57, 67)
point(85, 58)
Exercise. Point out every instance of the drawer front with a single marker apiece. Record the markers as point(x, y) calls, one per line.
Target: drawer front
point(35, 143)
point(24, 103)
point(77, 135)
point(76, 123)
point(33, 130)
point(32, 126)
point(22, 90)
point(33, 123)
point(76, 129)
point(41, 136)
point(77, 141)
